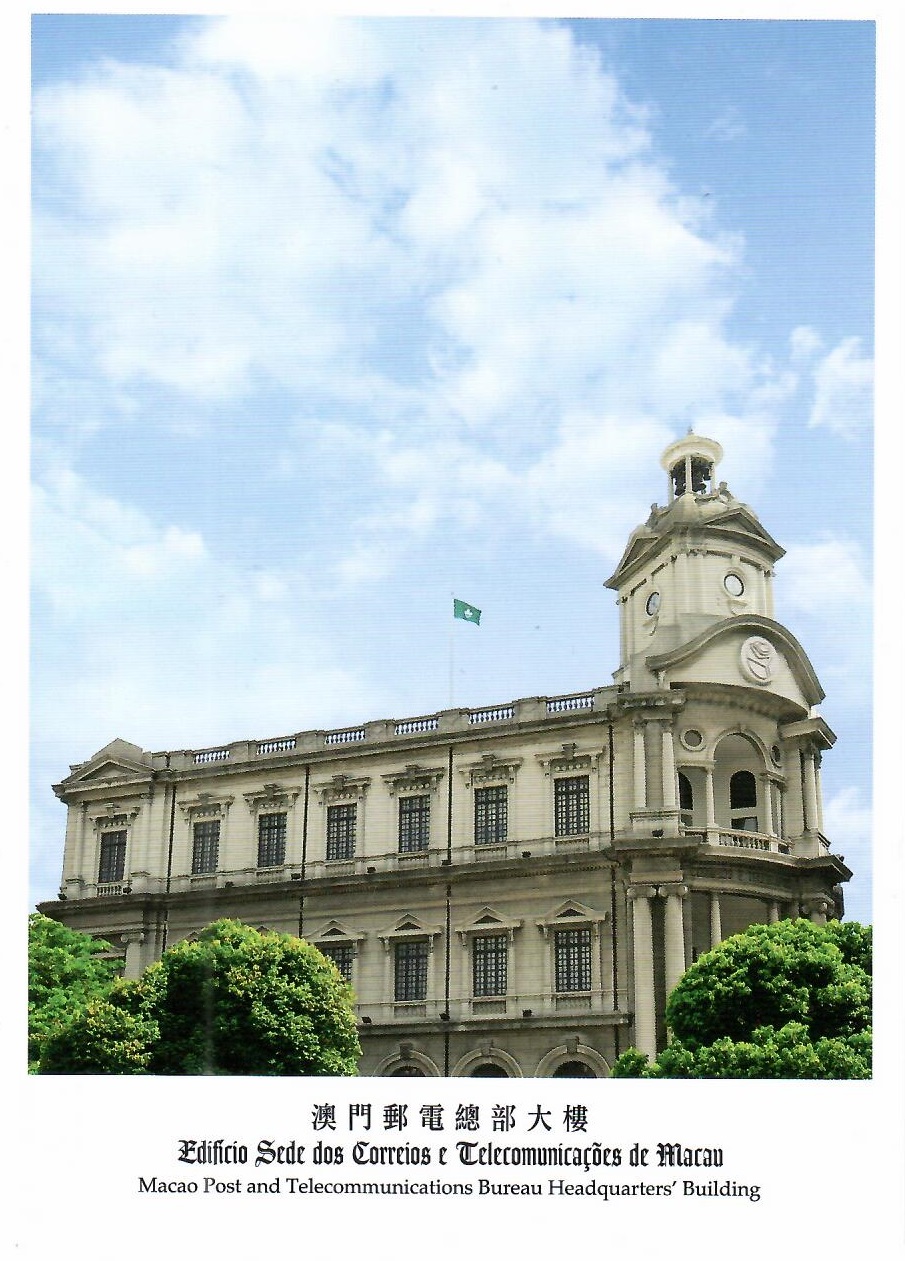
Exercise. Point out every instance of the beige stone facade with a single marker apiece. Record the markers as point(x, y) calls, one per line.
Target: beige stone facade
point(512, 890)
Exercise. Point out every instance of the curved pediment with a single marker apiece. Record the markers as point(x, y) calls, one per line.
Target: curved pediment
point(747, 651)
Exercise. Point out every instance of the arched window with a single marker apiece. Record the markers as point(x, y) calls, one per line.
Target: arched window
point(574, 1068)
point(743, 797)
point(406, 1070)
point(742, 791)
point(488, 1070)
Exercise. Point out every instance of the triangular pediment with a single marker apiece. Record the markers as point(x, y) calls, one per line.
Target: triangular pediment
point(732, 524)
point(117, 762)
point(488, 920)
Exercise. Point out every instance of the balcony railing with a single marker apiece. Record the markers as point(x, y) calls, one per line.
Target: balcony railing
point(735, 838)
point(522, 1007)
point(445, 722)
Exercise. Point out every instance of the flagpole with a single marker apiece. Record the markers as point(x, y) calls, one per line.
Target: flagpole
point(452, 631)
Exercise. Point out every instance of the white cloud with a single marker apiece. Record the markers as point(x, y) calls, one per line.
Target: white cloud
point(848, 823)
point(160, 637)
point(281, 201)
point(843, 400)
point(829, 574)
point(804, 342)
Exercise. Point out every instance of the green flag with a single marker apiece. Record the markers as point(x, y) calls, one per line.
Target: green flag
point(467, 612)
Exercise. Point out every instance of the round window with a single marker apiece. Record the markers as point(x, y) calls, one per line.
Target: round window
point(692, 739)
point(734, 584)
point(653, 603)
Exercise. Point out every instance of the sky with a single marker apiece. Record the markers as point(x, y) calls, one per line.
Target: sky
point(334, 320)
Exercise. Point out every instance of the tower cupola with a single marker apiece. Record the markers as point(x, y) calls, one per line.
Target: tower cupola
point(698, 561)
point(691, 463)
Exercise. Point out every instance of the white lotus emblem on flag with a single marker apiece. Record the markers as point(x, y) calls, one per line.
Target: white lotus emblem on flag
point(467, 612)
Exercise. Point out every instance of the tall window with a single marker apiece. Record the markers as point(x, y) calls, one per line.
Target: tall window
point(411, 971)
point(572, 804)
point(272, 839)
point(686, 799)
point(205, 846)
point(743, 801)
point(491, 815)
point(113, 857)
point(341, 832)
point(341, 954)
point(489, 956)
point(572, 960)
point(414, 824)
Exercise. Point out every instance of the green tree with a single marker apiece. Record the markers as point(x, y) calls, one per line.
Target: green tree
point(791, 999)
point(105, 1037)
point(233, 1002)
point(66, 972)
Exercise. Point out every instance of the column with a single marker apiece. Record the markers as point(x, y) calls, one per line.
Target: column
point(819, 791)
point(716, 926)
point(674, 937)
point(710, 803)
point(639, 767)
point(811, 812)
point(643, 942)
point(818, 911)
point(133, 942)
point(766, 795)
point(774, 912)
point(669, 767)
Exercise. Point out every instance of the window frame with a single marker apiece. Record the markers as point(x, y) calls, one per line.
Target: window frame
point(490, 966)
point(411, 958)
point(205, 849)
point(572, 803)
point(342, 829)
point(112, 855)
point(573, 959)
point(274, 839)
point(414, 823)
point(347, 949)
point(491, 801)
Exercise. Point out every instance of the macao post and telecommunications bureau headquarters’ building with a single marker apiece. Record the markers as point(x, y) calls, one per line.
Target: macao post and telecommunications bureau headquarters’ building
point(512, 890)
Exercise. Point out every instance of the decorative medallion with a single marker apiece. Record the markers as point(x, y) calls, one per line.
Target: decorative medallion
point(758, 660)
point(692, 738)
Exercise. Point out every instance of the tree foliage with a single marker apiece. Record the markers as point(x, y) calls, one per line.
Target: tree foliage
point(233, 1002)
point(106, 1037)
point(66, 972)
point(791, 999)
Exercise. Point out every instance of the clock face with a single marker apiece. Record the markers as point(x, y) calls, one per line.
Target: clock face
point(734, 584)
point(653, 603)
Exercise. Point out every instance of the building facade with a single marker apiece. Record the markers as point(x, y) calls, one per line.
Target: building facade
point(511, 890)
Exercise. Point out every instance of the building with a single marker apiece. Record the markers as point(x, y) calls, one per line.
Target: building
point(512, 890)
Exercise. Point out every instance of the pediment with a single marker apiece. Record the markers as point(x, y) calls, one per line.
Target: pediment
point(118, 762)
point(335, 930)
point(728, 653)
point(488, 920)
point(735, 525)
point(571, 914)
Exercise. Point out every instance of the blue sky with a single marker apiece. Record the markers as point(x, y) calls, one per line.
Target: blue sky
point(333, 320)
